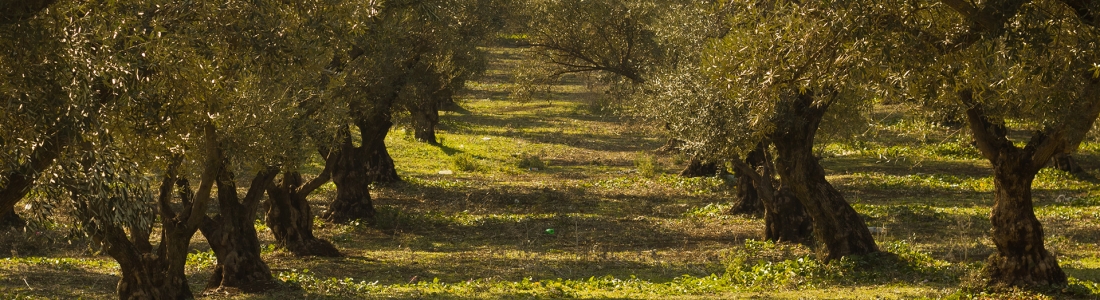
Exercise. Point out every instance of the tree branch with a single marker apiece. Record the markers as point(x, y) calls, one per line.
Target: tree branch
point(213, 165)
point(316, 182)
point(990, 137)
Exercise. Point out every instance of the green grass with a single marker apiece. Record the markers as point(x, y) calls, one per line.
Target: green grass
point(625, 226)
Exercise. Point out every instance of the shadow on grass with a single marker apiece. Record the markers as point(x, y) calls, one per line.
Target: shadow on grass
point(480, 124)
point(59, 283)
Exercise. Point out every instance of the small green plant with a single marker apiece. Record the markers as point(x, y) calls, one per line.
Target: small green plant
point(201, 260)
point(648, 166)
point(530, 162)
point(466, 162)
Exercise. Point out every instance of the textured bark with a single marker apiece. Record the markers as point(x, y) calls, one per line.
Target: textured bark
point(290, 219)
point(748, 199)
point(232, 235)
point(785, 220)
point(353, 182)
point(1021, 258)
point(1065, 162)
point(424, 123)
point(377, 161)
point(838, 229)
point(698, 168)
point(153, 275)
point(159, 274)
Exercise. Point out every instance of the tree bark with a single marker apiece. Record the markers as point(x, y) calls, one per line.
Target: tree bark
point(698, 168)
point(160, 274)
point(378, 162)
point(785, 219)
point(289, 217)
point(1021, 258)
point(424, 121)
point(353, 181)
point(838, 229)
point(748, 199)
point(232, 235)
point(1065, 162)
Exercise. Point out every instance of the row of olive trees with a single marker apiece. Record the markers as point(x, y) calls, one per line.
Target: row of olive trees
point(784, 64)
point(113, 108)
point(754, 87)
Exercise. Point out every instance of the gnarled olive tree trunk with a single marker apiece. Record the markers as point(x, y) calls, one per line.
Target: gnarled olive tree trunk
point(838, 229)
point(425, 118)
point(1021, 258)
point(377, 160)
point(748, 198)
point(699, 168)
point(289, 217)
point(1065, 162)
point(160, 274)
point(785, 220)
point(232, 235)
point(352, 180)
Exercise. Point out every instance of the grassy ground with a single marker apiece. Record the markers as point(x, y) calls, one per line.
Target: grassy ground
point(548, 199)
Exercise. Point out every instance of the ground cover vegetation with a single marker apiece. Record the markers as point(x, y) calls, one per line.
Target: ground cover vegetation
point(533, 149)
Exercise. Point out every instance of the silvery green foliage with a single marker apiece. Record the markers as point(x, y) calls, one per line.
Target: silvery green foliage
point(136, 81)
point(103, 190)
point(1033, 72)
point(773, 51)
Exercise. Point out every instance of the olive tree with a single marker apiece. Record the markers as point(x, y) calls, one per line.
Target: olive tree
point(407, 55)
point(771, 80)
point(1010, 65)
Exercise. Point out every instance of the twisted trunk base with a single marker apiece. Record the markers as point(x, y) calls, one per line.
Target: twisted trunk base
point(232, 236)
point(837, 228)
point(1021, 259)
point(786, 220)
point(698, 168)
point(748, 198)
point(290, 220)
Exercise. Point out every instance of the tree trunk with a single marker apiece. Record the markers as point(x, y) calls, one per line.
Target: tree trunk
point(1065, 162)
point(352, 180)
point(290, 220)
point(1021, 259)
point(425, 117)
point(838, 229)
point(378, 163)
point(698, 168)
point(147, 274)
point(153, 276)
point(232, 235)
point(785, 220)
point(748, 199)
point(11, 220)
